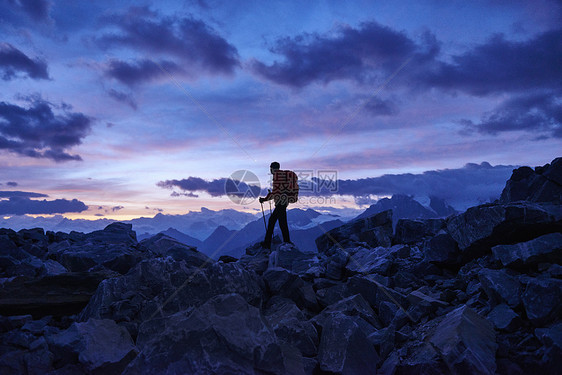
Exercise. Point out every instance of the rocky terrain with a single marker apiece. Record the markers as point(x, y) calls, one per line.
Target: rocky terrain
point(476, 293)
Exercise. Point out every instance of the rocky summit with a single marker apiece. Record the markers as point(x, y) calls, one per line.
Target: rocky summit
point(479, 292)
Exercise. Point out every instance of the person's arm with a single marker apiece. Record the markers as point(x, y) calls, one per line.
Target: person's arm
point(276, 189)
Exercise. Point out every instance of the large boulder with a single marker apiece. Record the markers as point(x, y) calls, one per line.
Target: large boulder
point(287, 284)
point(500, 287)
point(551, 350)
point(345, 347)
point(482, 227)
point(375, 230)
point(101, 346)
point(163, 245)
point(224, 335)
point(410, 231)
point(547, 248)
point(466, 342)
point(366, 261)
point(543, 184)
point(291, 325)
point(441, 250)
point(542, 300)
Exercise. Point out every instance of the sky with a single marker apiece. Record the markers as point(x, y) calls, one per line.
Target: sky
point(122, 109)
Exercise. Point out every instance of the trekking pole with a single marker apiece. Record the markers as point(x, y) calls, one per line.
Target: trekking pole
point(270, 204)
point(263, 214)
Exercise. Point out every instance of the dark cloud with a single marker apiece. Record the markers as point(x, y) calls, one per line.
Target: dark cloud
point(216, 188)
point(363, 54)
point(14, 63)
point(21, 194)
point(123, 98)
point(23, 205)
point(381, 107)
point(12, 183)
point(540, 114)
point(137, 72)
point(501, 65)
point(196, 44)
point(461, 187)
point(37, 10)
point(38, 132)
point(117, 208)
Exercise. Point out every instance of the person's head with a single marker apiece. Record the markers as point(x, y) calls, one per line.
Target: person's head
point(274, 167)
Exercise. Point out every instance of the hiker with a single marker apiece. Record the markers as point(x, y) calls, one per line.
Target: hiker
point(285, 191)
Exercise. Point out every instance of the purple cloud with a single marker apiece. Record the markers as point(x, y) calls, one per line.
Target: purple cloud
point(21, 194)
point(500, 65)
point(14, 62)
point(12, 183)
point(216, 188)
point(196, 44)
point(117, 208)
point(360, 54)
point(38, 132)
point(38, 10)
point(140, 71)
point(540, 113)
point(23, 205)
point(123, 98)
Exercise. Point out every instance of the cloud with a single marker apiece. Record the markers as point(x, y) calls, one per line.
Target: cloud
point(360, 54)
point(123, 98)
point(37, 10)
point(117, 208)
point(198, 46)
point(38, 132)
point(461, 187)
point(14, 63)
point(22, 205)
point(501, 65)
point(216, 188)
point(540, 113)
point(12, 183)
point(21, 194)
point(137, 72)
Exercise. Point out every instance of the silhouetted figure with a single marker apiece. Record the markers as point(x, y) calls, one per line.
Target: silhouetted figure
point(285, 191)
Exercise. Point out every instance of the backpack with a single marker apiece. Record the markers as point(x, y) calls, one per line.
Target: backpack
point(288, 185)
point(293, 188)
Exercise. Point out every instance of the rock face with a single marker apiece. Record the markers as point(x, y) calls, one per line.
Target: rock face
point(543, 184)
point(477, 293)
point(467, 342)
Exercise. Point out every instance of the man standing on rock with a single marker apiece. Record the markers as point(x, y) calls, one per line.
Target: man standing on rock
point(285, 191)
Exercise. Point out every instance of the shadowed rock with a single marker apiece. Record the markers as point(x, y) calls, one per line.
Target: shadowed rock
point(467, 342)
point(547, 248)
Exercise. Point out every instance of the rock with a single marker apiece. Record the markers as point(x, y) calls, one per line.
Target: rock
point(287, 284)
point(500, 287)
point(344, 347)
point(57, 295)
point(383, 340)
point(375, 230)
point(114, 233)
point(387, 312)
point(367, 261)
point(53, 267)
point(375, 292)
point(542, 300)
point(224, 335)
point(164, 245)
point(547, 248)
point(8, 323)
point(551, 351)
point(291, 326)
point(227, 259)
point(504, 318)
point(101, 346)
point(164, 286)
point(255, 263)
point(427, 303)
point(350, 306)
point(441, 250)
point(544, 184)
point(422, 359)
point(287, 255)
point(466, 342)
point(410, 231)
point(482, 227)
